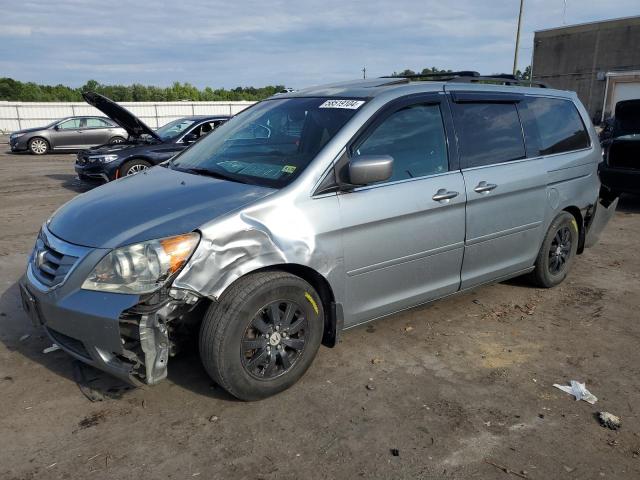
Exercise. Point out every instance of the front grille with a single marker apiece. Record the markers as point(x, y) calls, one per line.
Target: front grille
point(51, 267)
point(69, 343)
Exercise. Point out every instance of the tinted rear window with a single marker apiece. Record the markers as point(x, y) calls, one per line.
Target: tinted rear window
point(489, 133)
point(552, 125)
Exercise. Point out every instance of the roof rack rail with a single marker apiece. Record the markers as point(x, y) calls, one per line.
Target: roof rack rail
point(499, 78)
point(470, 76)
point(444, 75)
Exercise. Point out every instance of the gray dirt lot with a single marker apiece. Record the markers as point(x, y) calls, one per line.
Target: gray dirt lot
point(460, 383)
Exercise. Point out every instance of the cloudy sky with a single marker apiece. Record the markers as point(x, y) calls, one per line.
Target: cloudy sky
point(258, 42)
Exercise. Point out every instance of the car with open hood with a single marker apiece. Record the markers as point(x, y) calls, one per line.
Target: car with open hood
point(69, 133)
point(313, 212)
point(620, 171)
point(144, 147)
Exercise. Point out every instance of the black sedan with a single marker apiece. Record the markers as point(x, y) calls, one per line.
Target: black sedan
point(144, 147)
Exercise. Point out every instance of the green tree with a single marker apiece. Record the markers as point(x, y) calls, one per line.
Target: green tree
point(11, 89)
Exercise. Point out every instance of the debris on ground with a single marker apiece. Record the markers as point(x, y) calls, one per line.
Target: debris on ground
point(578, 390)
point(506, 469)
point(609, 420)
point(97, 386)
point(24, 337)
point(92, 420)
point(53, 348)
point(395, 452)
point(213, 418)
point(370, 386)
point(528, 308)
point(376, 361)
point(408, 328)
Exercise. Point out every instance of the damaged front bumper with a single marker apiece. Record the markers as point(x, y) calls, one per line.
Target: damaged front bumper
point(127, 336)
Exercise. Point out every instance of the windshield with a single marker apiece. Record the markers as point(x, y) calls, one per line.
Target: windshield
point(175, 128)
point(271, 143)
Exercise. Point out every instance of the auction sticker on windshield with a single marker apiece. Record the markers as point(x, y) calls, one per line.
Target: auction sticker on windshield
point(349, 104)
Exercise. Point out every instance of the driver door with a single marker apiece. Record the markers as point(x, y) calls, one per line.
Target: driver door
point(67, 134)
point(404, 238)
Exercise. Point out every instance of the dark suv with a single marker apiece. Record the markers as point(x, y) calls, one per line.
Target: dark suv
point(144, 148)
point(620, 138)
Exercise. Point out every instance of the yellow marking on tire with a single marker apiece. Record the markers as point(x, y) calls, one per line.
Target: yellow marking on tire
point(312, 302)
point(575, 224)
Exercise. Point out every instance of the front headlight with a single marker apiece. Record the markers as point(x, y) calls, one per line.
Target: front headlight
point(13, 136)
point(103, 158)
point(142, 267)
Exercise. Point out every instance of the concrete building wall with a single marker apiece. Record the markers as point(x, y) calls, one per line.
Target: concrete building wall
point(578, 57)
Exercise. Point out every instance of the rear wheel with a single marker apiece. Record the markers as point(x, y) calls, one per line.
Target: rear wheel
point(134, 166)
point(262, 335)
point(557, 252)
point(116, 140)
point(38, 146)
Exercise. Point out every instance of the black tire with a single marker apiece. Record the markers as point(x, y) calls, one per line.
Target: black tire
point(39, 146)
point(115, 140)
point(134, 166)
point(556, 256)
point(224, 330)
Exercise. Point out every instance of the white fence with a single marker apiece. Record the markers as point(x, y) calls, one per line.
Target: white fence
point(19, 115)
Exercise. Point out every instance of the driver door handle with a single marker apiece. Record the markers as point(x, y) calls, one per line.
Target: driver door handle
point(444, 194)
point(484, 187)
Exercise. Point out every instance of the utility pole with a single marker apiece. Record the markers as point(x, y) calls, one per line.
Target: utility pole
point(515, 55)
point(364, 72)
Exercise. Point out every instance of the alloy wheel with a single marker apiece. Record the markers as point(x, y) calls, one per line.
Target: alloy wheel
point(560, 250)
point(38, 146)
point(274, 339)
point(136, 169)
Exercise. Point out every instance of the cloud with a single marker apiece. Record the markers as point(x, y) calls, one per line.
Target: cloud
point(250, 42)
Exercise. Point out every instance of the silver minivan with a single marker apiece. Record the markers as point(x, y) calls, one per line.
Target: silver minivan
point(310, 213)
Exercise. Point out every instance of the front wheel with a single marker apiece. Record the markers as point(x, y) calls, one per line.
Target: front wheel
point(38, 146)
point(262, 335)
point(557, 252)
point(134, 166)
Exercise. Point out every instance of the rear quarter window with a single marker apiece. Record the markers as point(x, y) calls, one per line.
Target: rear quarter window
point(552, 125)
point(488, 133)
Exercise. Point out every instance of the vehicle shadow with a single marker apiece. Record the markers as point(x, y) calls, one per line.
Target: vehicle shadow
point(19, 336)
point(73, 183)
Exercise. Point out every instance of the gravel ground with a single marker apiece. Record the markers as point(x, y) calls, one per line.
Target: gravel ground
point(458, 389)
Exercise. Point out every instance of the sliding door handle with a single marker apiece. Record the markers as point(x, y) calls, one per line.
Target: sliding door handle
point(444, 194)
point(484, 187)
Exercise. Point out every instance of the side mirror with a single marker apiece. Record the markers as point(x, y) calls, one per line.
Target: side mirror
point(368, 169)
point(57, 127)
point(190, 138)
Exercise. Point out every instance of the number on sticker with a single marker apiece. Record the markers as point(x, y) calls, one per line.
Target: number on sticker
point(349, 104)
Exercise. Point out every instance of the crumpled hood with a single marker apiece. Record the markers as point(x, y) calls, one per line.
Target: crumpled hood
point(123, 117)
point(156, 203)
